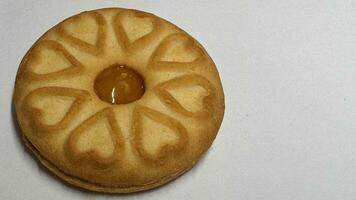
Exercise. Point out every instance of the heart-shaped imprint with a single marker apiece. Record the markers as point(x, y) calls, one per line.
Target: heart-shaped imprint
point(190, 95)
point(86, 32)
point(51, 61)
point(65, 104)
point(96, 141)
point(176, 52)
point(135, 30)
point(166, 146)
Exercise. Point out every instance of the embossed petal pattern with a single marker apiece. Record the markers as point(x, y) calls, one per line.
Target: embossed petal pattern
point(104, 147)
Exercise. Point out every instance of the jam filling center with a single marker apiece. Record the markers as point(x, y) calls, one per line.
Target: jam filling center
point(119, 84)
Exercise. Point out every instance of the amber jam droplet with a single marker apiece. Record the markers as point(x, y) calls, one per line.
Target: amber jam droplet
point(119, 84)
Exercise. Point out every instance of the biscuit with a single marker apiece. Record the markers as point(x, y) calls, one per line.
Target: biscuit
point(117, 100)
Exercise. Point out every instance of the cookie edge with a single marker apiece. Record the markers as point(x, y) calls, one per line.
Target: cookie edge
point(75, 181)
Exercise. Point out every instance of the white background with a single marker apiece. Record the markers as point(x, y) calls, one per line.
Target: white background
point(288, 69)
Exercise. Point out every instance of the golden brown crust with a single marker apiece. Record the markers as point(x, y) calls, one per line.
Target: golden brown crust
point(166, 151)
point(98, 46)
point(75, 68)
point(182, 82)
point(92, 157)
point(118, 148)
point(35, 114)
point(96, 187)
point(122, 36)
point(188, 43)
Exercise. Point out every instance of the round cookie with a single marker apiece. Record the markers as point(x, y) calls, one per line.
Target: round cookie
point(117, 100)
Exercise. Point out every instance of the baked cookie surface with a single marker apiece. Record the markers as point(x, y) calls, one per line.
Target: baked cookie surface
point(117, 100)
